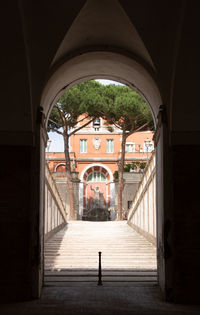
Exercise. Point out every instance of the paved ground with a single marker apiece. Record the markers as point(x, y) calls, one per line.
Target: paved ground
point(93, 300)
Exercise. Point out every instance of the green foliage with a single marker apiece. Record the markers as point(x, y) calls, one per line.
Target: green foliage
point(126, 109)
point(119, 105)
point(116, 175)
point(86, 97)
point(136, 166)
point(127, 167)
point(143, 165)
point(110, 128)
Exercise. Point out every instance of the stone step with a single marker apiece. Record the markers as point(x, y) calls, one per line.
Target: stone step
point(95, 278)
point(91, 276)
point(107, 272)
point(92, 266)
point(104, 255)
point(105, 263)
point(88, 246)
point(76, 248)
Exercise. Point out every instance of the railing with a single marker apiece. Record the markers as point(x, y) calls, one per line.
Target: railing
point(142, 212)
point(55, 213)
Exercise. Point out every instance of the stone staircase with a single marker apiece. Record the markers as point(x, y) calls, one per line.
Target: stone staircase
point(71, 255)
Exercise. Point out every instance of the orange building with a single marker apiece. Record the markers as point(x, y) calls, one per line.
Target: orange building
point(95, 154)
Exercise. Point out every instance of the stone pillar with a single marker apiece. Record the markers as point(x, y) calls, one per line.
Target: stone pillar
point(132, 181)
point(116, 190)
point(112, 194)
point(182, 229)
point(163, 172)
point(61, 183)
point(21, 214)
point(81, 190)
point(76, 183)
point(17, 219)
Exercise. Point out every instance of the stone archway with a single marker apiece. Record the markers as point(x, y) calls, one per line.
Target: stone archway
point(101, 65)
point(95, 175)
point(113, 65)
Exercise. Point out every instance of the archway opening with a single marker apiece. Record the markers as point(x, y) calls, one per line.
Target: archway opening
point(128, 73)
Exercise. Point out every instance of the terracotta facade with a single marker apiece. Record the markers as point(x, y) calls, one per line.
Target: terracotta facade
point(95, 154)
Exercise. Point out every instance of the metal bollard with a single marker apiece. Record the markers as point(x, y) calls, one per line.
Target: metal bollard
point(99, 274)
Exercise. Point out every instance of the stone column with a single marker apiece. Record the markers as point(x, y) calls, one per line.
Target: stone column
point(76, 182)
point(22, 213)
point(61, 183)
point(81, 190)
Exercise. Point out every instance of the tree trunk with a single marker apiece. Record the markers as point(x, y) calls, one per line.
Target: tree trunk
point(68, 174)
point(120, 176)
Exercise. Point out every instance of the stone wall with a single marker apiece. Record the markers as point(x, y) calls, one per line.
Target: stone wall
point(131, 183)
point(61, 183)
point(55, 212)
point(142, 213)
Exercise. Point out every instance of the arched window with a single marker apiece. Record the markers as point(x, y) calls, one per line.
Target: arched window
point(96, 177)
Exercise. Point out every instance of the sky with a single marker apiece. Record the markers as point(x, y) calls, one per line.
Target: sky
point(56, 143)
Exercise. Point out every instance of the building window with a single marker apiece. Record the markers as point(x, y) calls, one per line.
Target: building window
point(83, 146)
point(130, 147)
point(96, 177)
point(110, 146)
point(96, 124)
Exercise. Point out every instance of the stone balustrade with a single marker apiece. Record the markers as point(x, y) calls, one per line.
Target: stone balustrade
point(55, 212)
point(142, 213)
